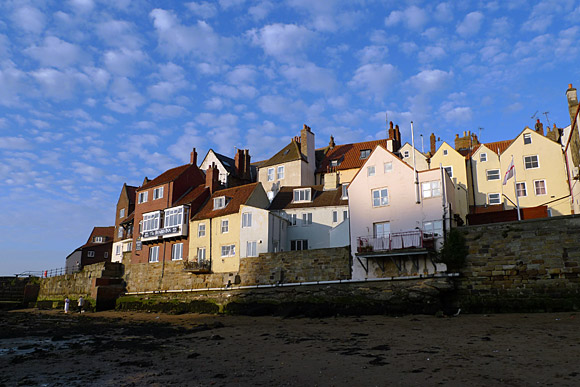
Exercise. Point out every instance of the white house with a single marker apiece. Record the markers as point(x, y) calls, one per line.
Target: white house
point(398, 217)
point(261, 231)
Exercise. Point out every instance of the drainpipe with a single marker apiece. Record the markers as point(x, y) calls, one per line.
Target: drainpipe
point(415, 176)
point(444, 199)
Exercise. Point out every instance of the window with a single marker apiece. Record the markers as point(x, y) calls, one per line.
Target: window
point(143, 196)
point(98, 239)
point(106, 255)
point(280, 173)
point(388, 167)
point(122, 213)
point(201, 230)
point(449, 171)
point(151, 221)
point(251, 249)
point(493, 198)
point(177, 252)
point(334, 163)
point(344, 191)
point(381, 229)
point(247, 219)
point(406, 154)
point(299, 244)
point(431, 189)
point(492, 174)
point(307, 218)
point(433, 228)
point(90, 253)
point(380, 197)
point(371, 170)
point(120, 232)
point(118, 250)
point(483, 157)
point(292, 219)
point(365, 153)
point(540, 187)
point(521, 189)
point(200, 254)
point(225, 226)
point(157, 193)
point(531, 162)
point(270, 174)
point(228, 251)
point(173, 217)
point(219, 203)
point(334, 216)
point(444, 152)
point(154, 254)
point(302, 195)
point(344, 215)
point(527, 138)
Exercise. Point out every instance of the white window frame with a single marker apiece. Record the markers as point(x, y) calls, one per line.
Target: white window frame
point(143, 197)
point(228, 250)
point(200, 254)
point(379, 229)
point(270, 174)
point(225, 226)
point(334, 216)
point(91, 253)
point(344, 192)
point(334, 163)
point(492, 201)
point(365, 153)
point(118, 249)
point(380, 200)
point(201, 230)
point(219, 202)
point(298, 244)
point(530, 160)
point(122, 213)
point(433, 227)
point(120, 232)
point(445, 152)
point(98, 239)
point(545, 187)
point(449, 170)
point(527, 138)
point(177, 252)
point(153, 254)
point(302, 195)
point(292, 219)
point(482, 157)
point(492, 174)
point(388, 167)
point(431, 189)
point(173, 216)
point(406, 154)
point(280, 172)
point(371, 170)
point(344, 214)
point(252, 249)
point(158, 193)
point(151, 221)
point(246, 219)
point(306, 218)
point(519, 190)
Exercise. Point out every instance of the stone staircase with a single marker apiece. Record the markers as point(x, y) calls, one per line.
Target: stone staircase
point(17, 292)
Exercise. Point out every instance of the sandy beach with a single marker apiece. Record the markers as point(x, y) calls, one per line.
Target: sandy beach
point(49, 348)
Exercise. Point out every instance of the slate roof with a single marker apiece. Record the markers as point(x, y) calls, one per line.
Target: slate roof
point(348, 155)
point(165, 177)
point(320, 198)
point(230, 165)
point(107, 232)
point(290, 152)
point(132, 193)
point(236, 196)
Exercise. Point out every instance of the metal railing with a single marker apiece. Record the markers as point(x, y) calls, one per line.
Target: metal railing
point(394, 241)
point(197, 265)
point(48, 273)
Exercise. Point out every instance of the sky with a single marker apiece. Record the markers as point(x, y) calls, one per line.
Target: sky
point(96, 93)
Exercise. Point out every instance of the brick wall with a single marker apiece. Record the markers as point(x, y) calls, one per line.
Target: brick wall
point(532, 265)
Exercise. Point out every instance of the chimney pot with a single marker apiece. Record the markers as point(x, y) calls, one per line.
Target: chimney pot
point(569, 85)
point(193, 157)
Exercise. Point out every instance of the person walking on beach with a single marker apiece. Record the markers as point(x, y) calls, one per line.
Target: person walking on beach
point(66, 304)
point(81, 303)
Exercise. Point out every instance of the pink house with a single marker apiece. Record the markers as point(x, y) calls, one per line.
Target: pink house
point(398, 217)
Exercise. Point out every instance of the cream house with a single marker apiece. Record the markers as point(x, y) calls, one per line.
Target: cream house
point(487, 174)
point(397, 218)
point(571, 145)
point(215, 239)
point(421, 160)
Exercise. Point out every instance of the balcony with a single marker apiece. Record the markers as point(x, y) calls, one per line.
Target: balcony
point(197, 266)
point(392, 242)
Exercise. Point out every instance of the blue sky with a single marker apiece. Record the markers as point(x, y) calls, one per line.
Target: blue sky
point(97, 93)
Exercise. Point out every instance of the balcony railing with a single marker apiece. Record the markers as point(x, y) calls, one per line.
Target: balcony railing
point(197, 266)
point(395, 241)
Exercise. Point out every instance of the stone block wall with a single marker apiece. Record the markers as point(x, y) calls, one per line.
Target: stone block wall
point(532, 265)
point(296, 266)
point(72, 285)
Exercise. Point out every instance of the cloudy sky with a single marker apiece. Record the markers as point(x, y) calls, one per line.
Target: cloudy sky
point(95, 93)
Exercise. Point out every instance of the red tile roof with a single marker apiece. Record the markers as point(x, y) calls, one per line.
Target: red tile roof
point(166, 177)
point(320, 198)
point(236, 195)
point(348, 155)
point(107, 232)
point(493, 146)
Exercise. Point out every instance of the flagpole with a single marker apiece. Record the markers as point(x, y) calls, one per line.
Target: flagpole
point(516, 191)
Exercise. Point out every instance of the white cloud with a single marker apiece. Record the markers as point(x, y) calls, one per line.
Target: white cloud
point(443, 12)
point(261, 10)
point(375, 79)
point(455, 114)
point(158, 110)
point(82, 6)
point(88, 172)
point(227, 4)
point(191, 138)
point(428, 81)
point(234, 92)
point(310, 77)
point(242, 74)
point(56, 84)
point(119, 33)
point(282, 107)
point(14, 143)
point(213, 121)
point(55, 52)
point(29, 19)
point(470, 24)
point(214, 103)
point(124, 97)
point(123, 62)
point(285, 42)
point(431, 54)
point(99, 77)
point(13, 84)
point(203, 9)
point(413, 18)
point(372, 54)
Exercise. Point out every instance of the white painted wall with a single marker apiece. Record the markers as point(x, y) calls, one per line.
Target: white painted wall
point(267, 229)
point(212, 158)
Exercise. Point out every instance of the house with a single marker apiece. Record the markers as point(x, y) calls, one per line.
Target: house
point(97, 249)
point(421, 160)
point(232, 172)
point(398, 217)
point(294, 165)
point(230, 226)
point(317, 215)
point(163, 210)
point(571, 146)
point(124, 215)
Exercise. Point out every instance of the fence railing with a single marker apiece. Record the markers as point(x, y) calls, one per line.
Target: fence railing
point(395, 241)
point(49, 272)
point(198, 265)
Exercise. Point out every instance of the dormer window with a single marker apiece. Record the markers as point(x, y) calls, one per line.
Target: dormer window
point(365, 153)
point(334, 163)
point(98, 239)
point(302, 195)
point(219, 203)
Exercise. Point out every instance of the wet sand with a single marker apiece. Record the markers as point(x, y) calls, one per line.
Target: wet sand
point(49, 348)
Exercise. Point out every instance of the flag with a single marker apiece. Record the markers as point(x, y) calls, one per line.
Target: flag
point(510, 172)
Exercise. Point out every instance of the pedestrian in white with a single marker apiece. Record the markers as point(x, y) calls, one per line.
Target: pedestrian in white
point(66, 305)
point(81, 303)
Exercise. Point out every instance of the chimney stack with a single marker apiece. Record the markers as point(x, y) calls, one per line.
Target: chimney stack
point(193, 157)
point(391, 131)
point(212, 178)
point(572, 97)
point(331, 144)
point(239, 162)
point(540, 127)
point(433, 142)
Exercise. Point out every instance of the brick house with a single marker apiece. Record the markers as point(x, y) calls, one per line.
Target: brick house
point(124, 215)
point(97, 249)
point(232, 172)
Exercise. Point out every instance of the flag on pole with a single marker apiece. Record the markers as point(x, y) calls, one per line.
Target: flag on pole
point(510, 172)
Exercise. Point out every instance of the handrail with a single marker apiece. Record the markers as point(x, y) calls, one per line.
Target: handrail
point(49, 272)
point(393, 241)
